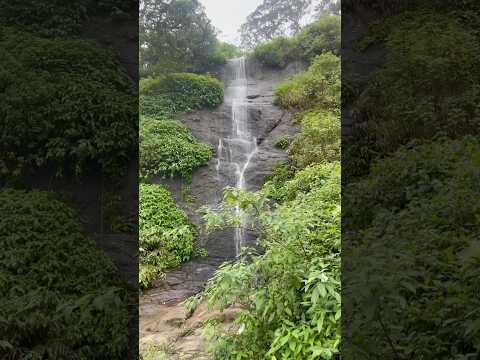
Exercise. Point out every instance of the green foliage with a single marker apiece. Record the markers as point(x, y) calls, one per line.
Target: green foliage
point(59, 296)
point(282, 142)
point(317, 87)
point(413, 233)
point(179, 92)
point(273, 18)
point(64, 104)
point(319, 140)
point(168, 148)
point(57, 17)
point(225, 51)
point(291, 293)
point(166, 236)
point(277, 53)
point(319, 37)
point(412, 97)
point(322, 36)
point(175, 36)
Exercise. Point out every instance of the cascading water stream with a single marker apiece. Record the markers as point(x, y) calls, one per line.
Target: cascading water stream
point(242, 145)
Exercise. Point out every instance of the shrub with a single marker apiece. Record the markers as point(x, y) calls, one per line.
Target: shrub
point(410, 227)
point(295, 285)
point(167, 148)
point(277, 53)
point(179, 92)
point(318, 141)
point(64, 104)
point(317, 87)
point(282, 142)
point(56, 18)
point(225, 51)
point(59, 295)
point(411, 97)
point(166, 236)
point(319, 37)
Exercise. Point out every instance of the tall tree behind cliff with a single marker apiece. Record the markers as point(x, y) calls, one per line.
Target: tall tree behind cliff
point(273, 18)
point(175, 35)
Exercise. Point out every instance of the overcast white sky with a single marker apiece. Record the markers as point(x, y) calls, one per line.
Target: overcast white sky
point(228, 15)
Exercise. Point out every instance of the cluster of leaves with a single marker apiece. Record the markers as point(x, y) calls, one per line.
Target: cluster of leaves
point(319, 140)
point(166, 236)
point(422, 46)
point(282, 142)
point(225, 51)
point(321, 36)
point(172, 93)
point(65, 104)
point(59, 296)
point(413, 232)
point(175, 36)
point(316, 93)
point(167, 148)
point(410, 230)
point(318, 87)
point(291, 292)
point(273, 18)
point(57, 18)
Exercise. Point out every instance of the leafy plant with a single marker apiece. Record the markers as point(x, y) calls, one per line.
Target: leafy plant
point(411, 98)
point(56, 18)
point(413, 231)
point(318, 87)
point(282, 142)
point(167, 148)
point(318, 141)
point(321, 36)
point(225, 51)
point(179, 92)
point(64, 104)
point(60, 297)
point(166, 236)
point(290, 293)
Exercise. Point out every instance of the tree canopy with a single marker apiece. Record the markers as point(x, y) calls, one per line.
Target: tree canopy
point(273, 18)
point(176, 35)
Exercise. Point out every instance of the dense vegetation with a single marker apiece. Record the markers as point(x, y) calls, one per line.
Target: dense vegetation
point(167, 148)
point(177, 36)
point(166, 236)
point(58, 18)
point(411, 172)
point(67, 108)
point(421, 47)
point(321, 36)
point(276, 19)
point(168, 94)
point(59, 296)
point(290, 288)
point(65, 104)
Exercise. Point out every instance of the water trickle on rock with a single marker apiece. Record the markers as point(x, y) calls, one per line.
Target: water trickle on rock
point(241, 145)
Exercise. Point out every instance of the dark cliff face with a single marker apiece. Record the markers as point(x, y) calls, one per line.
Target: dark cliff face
point(266, 122)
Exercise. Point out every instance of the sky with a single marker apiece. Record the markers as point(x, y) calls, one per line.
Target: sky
point(228, 15)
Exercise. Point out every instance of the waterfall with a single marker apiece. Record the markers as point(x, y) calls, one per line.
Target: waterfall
point(241, 144)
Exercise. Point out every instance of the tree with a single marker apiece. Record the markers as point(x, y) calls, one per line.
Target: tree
point(273, 18)
point(331, 7)
point(176, 35)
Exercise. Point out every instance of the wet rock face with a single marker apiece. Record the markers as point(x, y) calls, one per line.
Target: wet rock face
point(266, 122)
